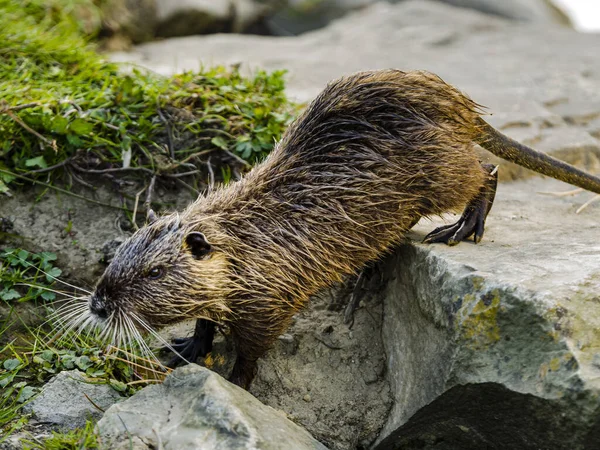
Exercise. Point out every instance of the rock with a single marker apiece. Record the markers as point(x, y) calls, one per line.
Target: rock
point(505, 332)
point(486, 416)
point(301, 16)
point(187, 17)
point(248, 13)
point(133, 20)
point(537, 11)
point(30, 432)
point(196, 408)
point(63, 400)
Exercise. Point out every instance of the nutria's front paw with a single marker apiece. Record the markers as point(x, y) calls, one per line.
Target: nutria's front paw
point(189, 349)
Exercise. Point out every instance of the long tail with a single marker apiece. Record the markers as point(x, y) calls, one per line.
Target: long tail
point(513, 151)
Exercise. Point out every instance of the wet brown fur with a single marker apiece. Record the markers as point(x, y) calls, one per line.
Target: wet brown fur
point(372, 154)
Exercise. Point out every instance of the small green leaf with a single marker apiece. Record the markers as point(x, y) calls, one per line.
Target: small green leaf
point(81, 127)
point(9, 294)
point(26, 393)
point(3, 187)
point(11, 364)
point(37, 162)
point(6, 177)
point(74, 140)
point(219, 142)
point(48, 296)
point(53, 273)
point(95, 373)
point(47, 256)
point(6, 380)
point(47, 355)
point(83, 362)
point(118, 385)
point(59, 125)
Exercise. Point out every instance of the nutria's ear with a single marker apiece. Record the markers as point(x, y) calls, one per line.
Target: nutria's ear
point(151, 217)
point(198, 245)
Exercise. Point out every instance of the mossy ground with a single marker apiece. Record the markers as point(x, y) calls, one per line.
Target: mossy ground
point(66, 112)
point(67, 118)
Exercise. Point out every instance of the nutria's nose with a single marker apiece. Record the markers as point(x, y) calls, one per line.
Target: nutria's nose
point(100, 312)
point(97, 308)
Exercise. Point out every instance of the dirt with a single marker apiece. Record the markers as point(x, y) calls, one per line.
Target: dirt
point(324, 375)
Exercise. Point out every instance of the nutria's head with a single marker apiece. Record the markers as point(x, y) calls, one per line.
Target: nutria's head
point(164, 273)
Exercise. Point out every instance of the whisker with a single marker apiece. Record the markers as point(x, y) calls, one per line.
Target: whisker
point(67, 314)
point(106, 328)
point(156, 335)
point(146, 351)
point(46, 288)
point(77, 301)
point(73, 324)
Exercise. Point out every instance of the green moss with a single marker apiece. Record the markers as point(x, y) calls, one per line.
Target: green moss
point(479, 324)
point(63, 105)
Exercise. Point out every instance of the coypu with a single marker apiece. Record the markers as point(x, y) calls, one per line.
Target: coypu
point(370, 156)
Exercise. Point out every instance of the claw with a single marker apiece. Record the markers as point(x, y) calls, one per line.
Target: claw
point(472, 221)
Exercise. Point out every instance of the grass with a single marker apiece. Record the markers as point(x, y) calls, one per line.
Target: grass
point(78, 439)
point(66, 112)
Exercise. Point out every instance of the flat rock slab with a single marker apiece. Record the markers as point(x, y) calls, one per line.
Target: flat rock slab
point(513, 322)
point(195, 408)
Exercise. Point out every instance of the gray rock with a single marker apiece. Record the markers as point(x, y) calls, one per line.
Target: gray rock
point(505, 332)
point(247, 13)
point(133, 20)
point(63, 400)
point(32, 432)
point(196, 408)
point(300, 16)
point(537, 11)
point(187, 17)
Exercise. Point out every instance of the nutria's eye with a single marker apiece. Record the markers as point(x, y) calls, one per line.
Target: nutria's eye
point(156, 272)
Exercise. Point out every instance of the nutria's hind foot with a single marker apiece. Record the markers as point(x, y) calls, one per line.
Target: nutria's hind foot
point(200, 344)
point(472, 221)
point(244, 371)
